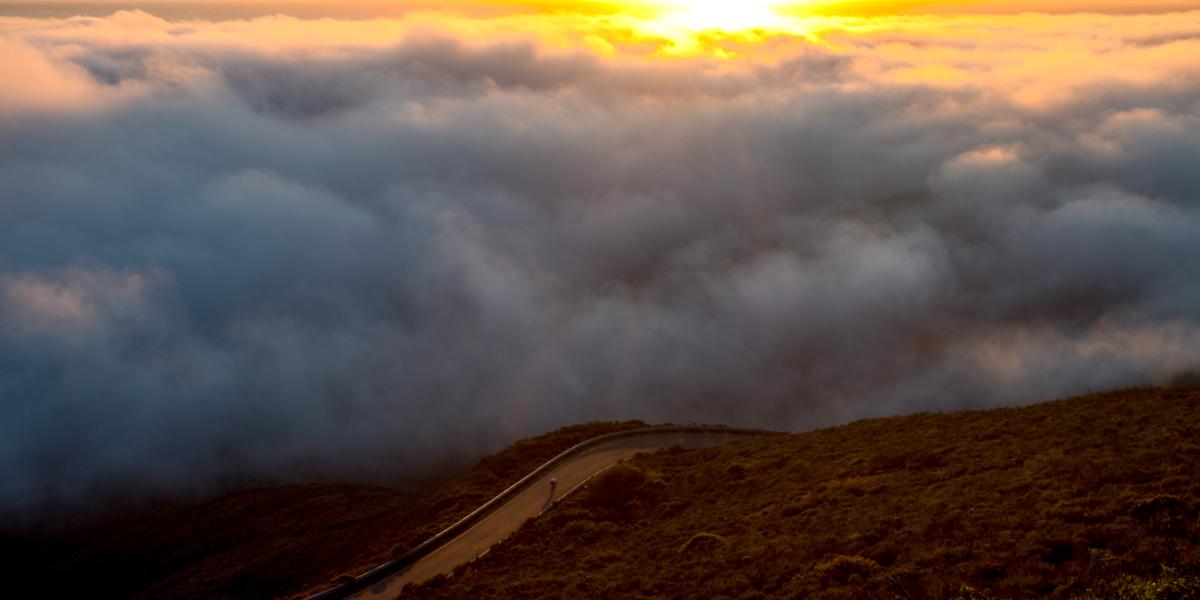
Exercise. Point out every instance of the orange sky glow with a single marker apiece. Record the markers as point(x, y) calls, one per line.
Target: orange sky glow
point(1033, 58)
point(660, 27)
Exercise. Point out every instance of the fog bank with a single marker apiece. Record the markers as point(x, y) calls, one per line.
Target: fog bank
point(255, 249)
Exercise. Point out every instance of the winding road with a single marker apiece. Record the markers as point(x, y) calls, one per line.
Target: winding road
point(494, 522)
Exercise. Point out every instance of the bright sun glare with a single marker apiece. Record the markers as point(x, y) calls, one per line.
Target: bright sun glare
point(725, 15)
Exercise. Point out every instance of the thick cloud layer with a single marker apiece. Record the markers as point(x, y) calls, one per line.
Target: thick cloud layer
point(253, 249)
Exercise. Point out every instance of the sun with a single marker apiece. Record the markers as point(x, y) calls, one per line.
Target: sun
point(721, 15)
point(722, 28)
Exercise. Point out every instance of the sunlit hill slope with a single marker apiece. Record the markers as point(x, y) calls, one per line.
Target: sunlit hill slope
point(1093, 497)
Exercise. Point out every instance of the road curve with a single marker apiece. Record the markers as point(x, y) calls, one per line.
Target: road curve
point(476, 534)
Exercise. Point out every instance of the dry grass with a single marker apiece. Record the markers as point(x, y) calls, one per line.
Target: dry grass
point(1093, 497)
point(263, 543)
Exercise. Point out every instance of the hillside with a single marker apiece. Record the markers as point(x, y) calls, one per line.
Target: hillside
point(267, 542)
point(1092, 497)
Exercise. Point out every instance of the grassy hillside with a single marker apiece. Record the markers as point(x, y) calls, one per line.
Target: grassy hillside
point(1093, 497)
point(264, 543)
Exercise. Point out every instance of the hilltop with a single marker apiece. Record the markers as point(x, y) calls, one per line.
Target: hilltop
point(1091, 497)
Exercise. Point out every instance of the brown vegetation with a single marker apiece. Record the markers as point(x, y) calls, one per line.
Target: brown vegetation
point(263, 543)
point(1093, 497)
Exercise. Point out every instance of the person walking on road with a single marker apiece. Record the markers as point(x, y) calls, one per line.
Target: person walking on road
point(550, 499)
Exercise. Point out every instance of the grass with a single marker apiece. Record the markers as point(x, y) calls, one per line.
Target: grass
point(1087, 498)
point(284, 541)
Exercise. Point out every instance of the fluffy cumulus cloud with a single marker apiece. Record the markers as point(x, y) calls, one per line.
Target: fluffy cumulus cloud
point(280, 249)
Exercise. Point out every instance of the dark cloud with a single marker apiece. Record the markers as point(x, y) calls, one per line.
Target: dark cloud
point(354, 264)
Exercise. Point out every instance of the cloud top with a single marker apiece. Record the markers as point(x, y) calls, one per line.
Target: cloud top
point(279, 248)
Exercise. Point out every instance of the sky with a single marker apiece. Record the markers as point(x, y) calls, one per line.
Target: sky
point(361, 246)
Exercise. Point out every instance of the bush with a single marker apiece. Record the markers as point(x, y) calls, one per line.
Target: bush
point(840, 569)
point(616, 489)
point(1163, 514)
point(702, 541)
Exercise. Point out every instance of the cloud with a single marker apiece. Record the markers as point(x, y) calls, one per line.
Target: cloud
point(230, 252)
point(75, 301)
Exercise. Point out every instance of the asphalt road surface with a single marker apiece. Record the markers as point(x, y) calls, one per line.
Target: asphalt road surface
point(528, 504)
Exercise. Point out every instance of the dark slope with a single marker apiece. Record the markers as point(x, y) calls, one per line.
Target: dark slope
point(262, 543)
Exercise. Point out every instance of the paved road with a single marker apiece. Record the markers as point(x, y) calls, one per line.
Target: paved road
point(529, 503)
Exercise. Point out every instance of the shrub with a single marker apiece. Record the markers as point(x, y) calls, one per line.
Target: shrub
point(840, 569)
point(793, 510)
point(616, 489)
point(702, 541)
point(1058, 551)
point(1163, 514)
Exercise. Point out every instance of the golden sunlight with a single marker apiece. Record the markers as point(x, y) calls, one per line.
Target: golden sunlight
point(713, 27)
point(704, 15)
